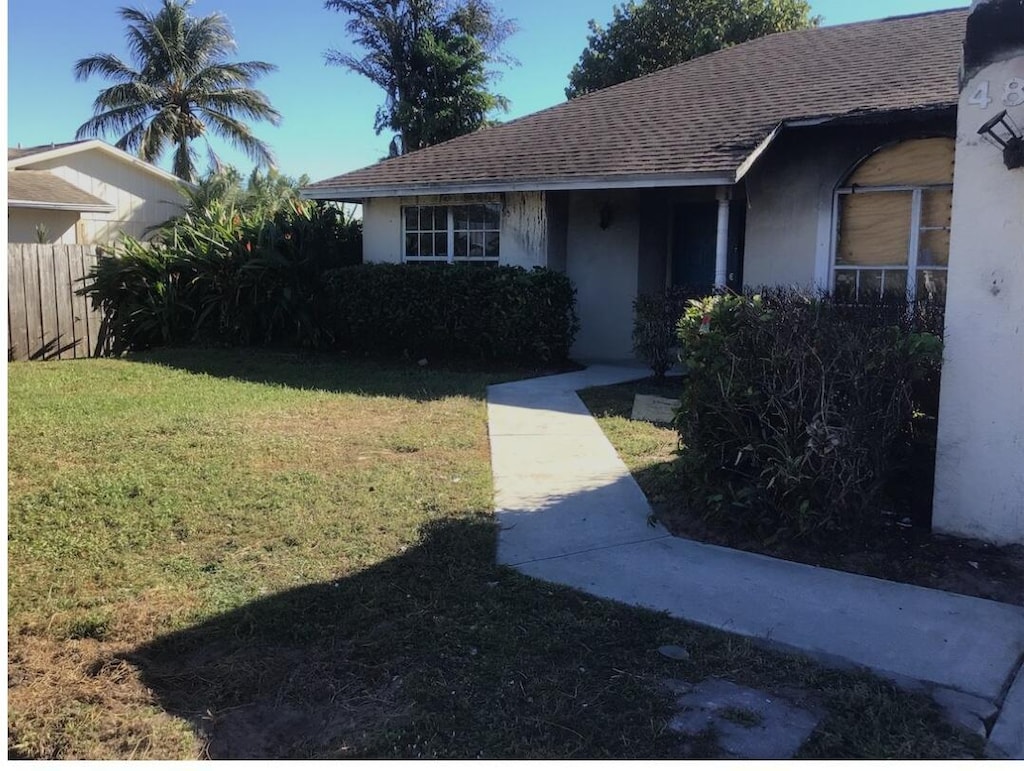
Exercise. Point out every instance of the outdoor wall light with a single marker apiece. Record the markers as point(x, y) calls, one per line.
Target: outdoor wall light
point(1003, 133)
point(605, 215)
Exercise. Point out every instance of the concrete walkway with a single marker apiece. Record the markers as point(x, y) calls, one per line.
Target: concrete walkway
point(570, 513)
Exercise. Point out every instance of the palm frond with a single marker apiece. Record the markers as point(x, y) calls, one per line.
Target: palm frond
point(106, 65)
point(240, 102)
point(112, 121)
point(238, 134)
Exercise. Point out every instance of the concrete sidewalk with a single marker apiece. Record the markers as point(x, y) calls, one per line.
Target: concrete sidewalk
point(570, 513)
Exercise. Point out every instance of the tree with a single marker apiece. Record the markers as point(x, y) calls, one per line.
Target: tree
point(649, 35)
point(430, 57)
point(177, 87)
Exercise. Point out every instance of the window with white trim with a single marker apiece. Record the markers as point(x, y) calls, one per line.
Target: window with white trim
point(462, 233)
point(892, 224)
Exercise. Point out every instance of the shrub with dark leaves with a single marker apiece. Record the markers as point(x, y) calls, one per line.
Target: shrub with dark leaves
point(482, 313)
point(655, 316)
point(793, 408)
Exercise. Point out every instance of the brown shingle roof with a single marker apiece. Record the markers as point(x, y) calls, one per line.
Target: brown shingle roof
point(699, 119)
point(48, 190)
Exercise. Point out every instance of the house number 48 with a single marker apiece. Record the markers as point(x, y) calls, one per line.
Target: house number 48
point(1013, 94)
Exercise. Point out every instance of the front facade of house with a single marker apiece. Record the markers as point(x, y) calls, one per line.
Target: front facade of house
point(822, 158)
point(85, 193)
point(763, 164)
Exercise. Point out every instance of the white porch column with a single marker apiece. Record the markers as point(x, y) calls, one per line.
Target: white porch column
point(722, 239)
point(979, 474)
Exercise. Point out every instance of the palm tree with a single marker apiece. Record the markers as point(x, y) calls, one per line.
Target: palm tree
point(179, 87)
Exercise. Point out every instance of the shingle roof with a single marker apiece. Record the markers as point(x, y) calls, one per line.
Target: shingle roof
point(699, 119)
point(48, 190)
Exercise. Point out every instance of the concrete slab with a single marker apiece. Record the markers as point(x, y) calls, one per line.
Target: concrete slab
point(560, 487)
point(1007, 737)
point(938, 638)
point(748, 723)
point(655, 409)
point(553, 526)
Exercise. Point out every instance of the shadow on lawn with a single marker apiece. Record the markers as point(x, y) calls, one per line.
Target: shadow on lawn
point(337, 373)
point(435, 653)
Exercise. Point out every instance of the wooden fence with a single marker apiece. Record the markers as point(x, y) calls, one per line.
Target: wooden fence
point(46, 319)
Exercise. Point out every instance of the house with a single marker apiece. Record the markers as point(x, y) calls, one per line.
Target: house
point(85, 193)
point(821, 157)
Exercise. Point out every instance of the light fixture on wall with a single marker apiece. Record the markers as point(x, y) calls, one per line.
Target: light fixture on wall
point(605, 215)
point(1002, 132)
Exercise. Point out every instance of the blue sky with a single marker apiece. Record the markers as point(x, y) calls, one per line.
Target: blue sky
point(328, 113)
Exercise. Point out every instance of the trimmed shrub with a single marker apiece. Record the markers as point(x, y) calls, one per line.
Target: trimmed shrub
point(655, 317)
point(794, 408)
point(505, 314)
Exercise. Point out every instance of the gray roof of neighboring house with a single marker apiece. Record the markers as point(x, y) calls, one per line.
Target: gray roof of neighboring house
point(700, 121)
point(41, 189)
point(14, 153)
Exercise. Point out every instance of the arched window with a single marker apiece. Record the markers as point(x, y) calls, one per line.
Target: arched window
point(892, 223)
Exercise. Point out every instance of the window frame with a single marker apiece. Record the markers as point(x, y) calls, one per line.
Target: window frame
point(914, 242)
point(450, 258)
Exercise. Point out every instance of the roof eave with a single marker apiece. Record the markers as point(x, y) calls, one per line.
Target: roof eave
point(356, 194)
point(58, 206)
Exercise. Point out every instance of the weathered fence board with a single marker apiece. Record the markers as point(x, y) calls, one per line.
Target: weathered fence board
point(46, 319)
point(17, 338)
point(36, 334)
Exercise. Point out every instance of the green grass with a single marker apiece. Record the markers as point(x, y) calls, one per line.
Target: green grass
point(237, 554)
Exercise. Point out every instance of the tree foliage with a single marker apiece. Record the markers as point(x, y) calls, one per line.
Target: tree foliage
point(177, 87)
point(263, 195)
point(430, 57)
point(650, 35)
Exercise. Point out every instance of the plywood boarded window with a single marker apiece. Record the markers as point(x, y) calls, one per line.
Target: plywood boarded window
point(892, 223)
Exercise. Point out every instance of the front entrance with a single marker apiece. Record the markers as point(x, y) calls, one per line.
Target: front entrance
point(694, 241)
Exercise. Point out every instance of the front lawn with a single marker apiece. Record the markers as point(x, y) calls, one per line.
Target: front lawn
point(237, 554)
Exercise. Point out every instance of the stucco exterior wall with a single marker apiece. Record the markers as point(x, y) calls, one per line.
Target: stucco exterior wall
point(524, 229)
point(979, 475)
point(790, 192)
point(141, 199)
point(21, 225)
point(603, 265)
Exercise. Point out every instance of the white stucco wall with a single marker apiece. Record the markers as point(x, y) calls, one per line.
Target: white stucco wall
point(21, 225)
point(790, 192)
point(602, 264)
point(979, 477)
point(523, 226)
point(141, 199)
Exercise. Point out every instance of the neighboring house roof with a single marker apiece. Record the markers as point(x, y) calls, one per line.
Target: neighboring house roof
point(700, 122)
point(21, 152)
point(43, 190)
point(18, 158)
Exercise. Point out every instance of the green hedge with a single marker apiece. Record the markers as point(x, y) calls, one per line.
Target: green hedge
point(795, 408)
point(472, 312)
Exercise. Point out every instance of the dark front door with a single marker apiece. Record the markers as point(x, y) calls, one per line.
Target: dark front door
point(694, 235)
point(694, 242)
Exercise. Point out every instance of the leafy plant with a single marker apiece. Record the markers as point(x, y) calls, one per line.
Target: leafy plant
point(645, 36)
point(793, 408)
point(225, 275)
point(655, 317)
point(505, 314)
